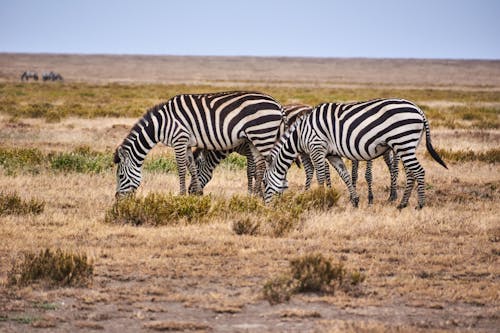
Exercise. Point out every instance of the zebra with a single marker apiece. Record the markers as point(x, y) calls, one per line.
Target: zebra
point(52, 76)
point(207, 160)
point(26, 76)
point(217, 121)
point(358, 131)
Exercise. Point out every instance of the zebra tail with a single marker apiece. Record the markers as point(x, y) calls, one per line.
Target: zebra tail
point(428, 144)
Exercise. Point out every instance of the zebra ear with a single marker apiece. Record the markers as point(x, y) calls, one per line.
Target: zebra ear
point(117, 156)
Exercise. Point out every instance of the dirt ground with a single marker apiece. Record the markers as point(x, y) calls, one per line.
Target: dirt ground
point(434, 270)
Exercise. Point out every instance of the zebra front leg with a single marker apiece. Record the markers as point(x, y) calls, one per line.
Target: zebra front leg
point(251, 172)
point(368, 177)
point(195, 186)
point(308, 169)
point(339, 165)
point(392, 160)
point(260, 168)
point(180, 157)
point(318, 161)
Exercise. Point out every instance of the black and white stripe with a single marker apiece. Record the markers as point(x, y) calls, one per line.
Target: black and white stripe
point(219, 121)
point(207, 160)
point(358, 131)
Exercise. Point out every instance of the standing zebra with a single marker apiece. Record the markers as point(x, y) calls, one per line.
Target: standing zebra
point(358, 131)
point(218, 121)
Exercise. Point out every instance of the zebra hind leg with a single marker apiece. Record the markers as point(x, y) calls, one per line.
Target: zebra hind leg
point(369, 179)
point(414, 171)
point(328, 179)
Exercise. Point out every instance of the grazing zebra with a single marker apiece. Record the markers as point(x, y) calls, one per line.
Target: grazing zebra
point(358, 131)
point(51, 76)
point(218, 121)
point(207, 160)
point(26, 76)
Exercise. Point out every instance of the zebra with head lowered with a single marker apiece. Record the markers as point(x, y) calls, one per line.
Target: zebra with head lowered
point(26, 76)
point(52, 76)
point(218, 121)
point(207, 161)
point(358, 131)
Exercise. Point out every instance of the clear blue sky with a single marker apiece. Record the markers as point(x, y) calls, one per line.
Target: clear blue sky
point(312, 28)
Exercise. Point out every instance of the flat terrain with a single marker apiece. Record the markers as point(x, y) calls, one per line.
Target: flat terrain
point(435, 269)
point(254, 70)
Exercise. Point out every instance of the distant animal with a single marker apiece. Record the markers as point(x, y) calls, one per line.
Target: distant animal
point(29, 75)
point(358, 131)
point(52, 76)
point(218, 121)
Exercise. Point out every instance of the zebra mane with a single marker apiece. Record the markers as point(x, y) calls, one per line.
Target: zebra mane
point(289, 131)
point(137, 128)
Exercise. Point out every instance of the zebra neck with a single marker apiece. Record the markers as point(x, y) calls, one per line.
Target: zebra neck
point(141, 139)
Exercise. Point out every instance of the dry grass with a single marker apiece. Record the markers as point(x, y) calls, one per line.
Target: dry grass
point(435, 269)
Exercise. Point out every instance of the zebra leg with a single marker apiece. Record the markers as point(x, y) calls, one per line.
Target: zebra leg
point(260, 168)
point(392, 160)
point(413, 171)
point(327, 175)
point(195, 186)
point(180, 149)
point(419, 175)
point(250, 172)
point(339, 165)
point(308, 169)
point(368, 177)
point(354, 173)
point(318, 161)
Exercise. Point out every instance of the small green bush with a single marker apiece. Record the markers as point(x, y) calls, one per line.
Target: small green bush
point(160, 209)
point(315, 273)
point(161, 164)
point(13, 204)
point(235, 162)
point(311, 273)
point(279, 290)
point(14, 159)
point(56, 268)
point(82, 160)
point(246, 225)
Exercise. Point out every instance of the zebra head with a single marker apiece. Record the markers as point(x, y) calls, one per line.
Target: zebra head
point(273, 185)
point(128, 173)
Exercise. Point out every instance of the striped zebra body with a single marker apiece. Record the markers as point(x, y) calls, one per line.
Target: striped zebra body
point(357, 131)
point(219, 121)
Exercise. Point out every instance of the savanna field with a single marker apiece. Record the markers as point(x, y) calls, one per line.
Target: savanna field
point(72, 260)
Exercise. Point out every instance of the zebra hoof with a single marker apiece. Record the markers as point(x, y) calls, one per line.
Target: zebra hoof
point(355, 202)
point(401, 206)
point(370, 199)
point(419, 207)
point(392, 197)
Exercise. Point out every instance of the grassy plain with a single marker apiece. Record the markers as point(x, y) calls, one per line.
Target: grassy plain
point(436, 269)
